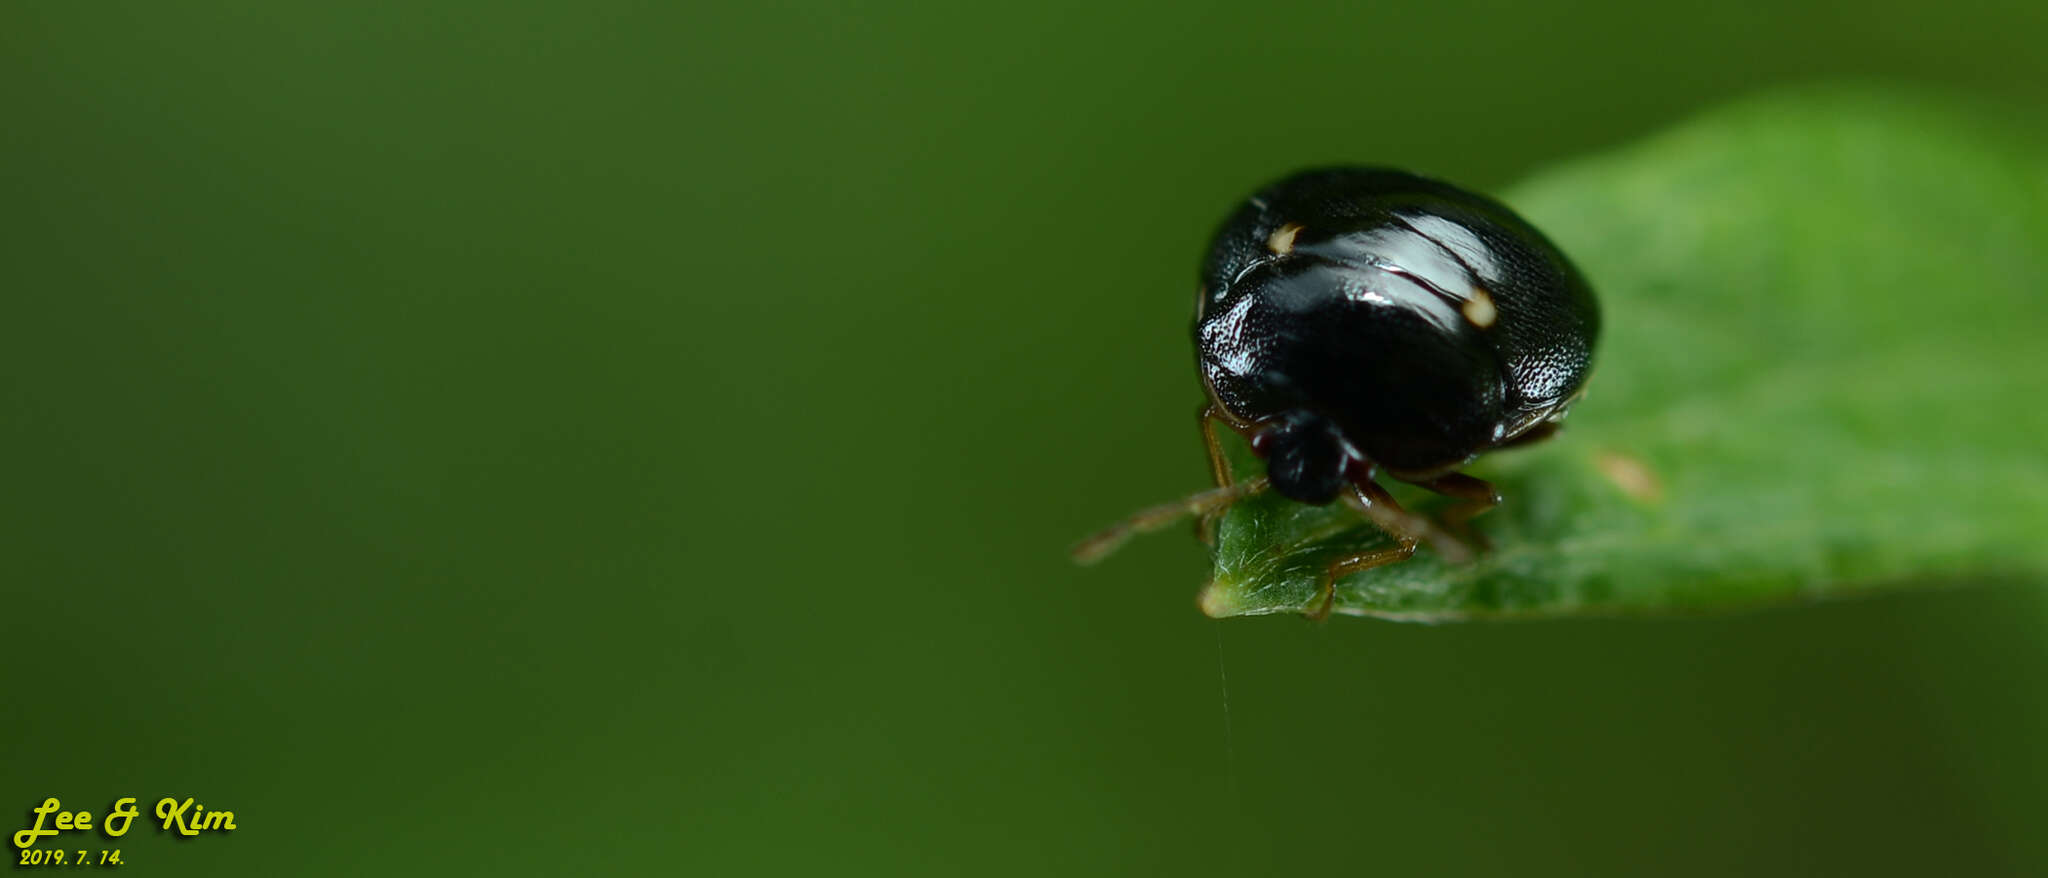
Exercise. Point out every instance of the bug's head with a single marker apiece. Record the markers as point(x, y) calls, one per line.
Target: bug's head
point(1306, 456)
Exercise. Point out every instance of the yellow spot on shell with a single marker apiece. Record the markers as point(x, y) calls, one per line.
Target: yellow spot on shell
point(1479, 309)
point(1281, 242)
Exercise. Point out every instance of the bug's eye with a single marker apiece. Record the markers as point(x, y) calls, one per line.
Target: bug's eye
point(1305, 457)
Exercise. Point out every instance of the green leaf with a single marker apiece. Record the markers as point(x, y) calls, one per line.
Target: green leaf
point(1823, 371)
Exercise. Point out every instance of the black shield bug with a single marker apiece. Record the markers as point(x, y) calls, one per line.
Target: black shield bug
point(1358, 322)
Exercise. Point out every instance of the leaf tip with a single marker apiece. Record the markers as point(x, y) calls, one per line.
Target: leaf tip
point(1220, 600)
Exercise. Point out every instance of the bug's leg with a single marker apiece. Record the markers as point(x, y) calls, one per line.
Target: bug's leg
point(1474, 496)
point(1343, 567)
point(1219, 469)
point(1372, 501)
point(1378, 505)
point(1208, 502)
point(1219, 465)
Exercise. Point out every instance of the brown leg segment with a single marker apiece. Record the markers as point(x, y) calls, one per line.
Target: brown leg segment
point(1343, 567)
point(1475, 496)
point(1209, 502)
point(1379, 507)
point(1219, 465)
point(1219, 469)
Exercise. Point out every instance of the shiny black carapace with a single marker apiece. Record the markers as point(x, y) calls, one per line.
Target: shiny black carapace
point(1354, 322)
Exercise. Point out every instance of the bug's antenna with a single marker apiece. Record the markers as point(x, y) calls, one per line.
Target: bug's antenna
point(1105, 541)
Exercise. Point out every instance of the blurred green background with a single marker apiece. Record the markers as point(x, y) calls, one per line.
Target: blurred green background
point(630, 437)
